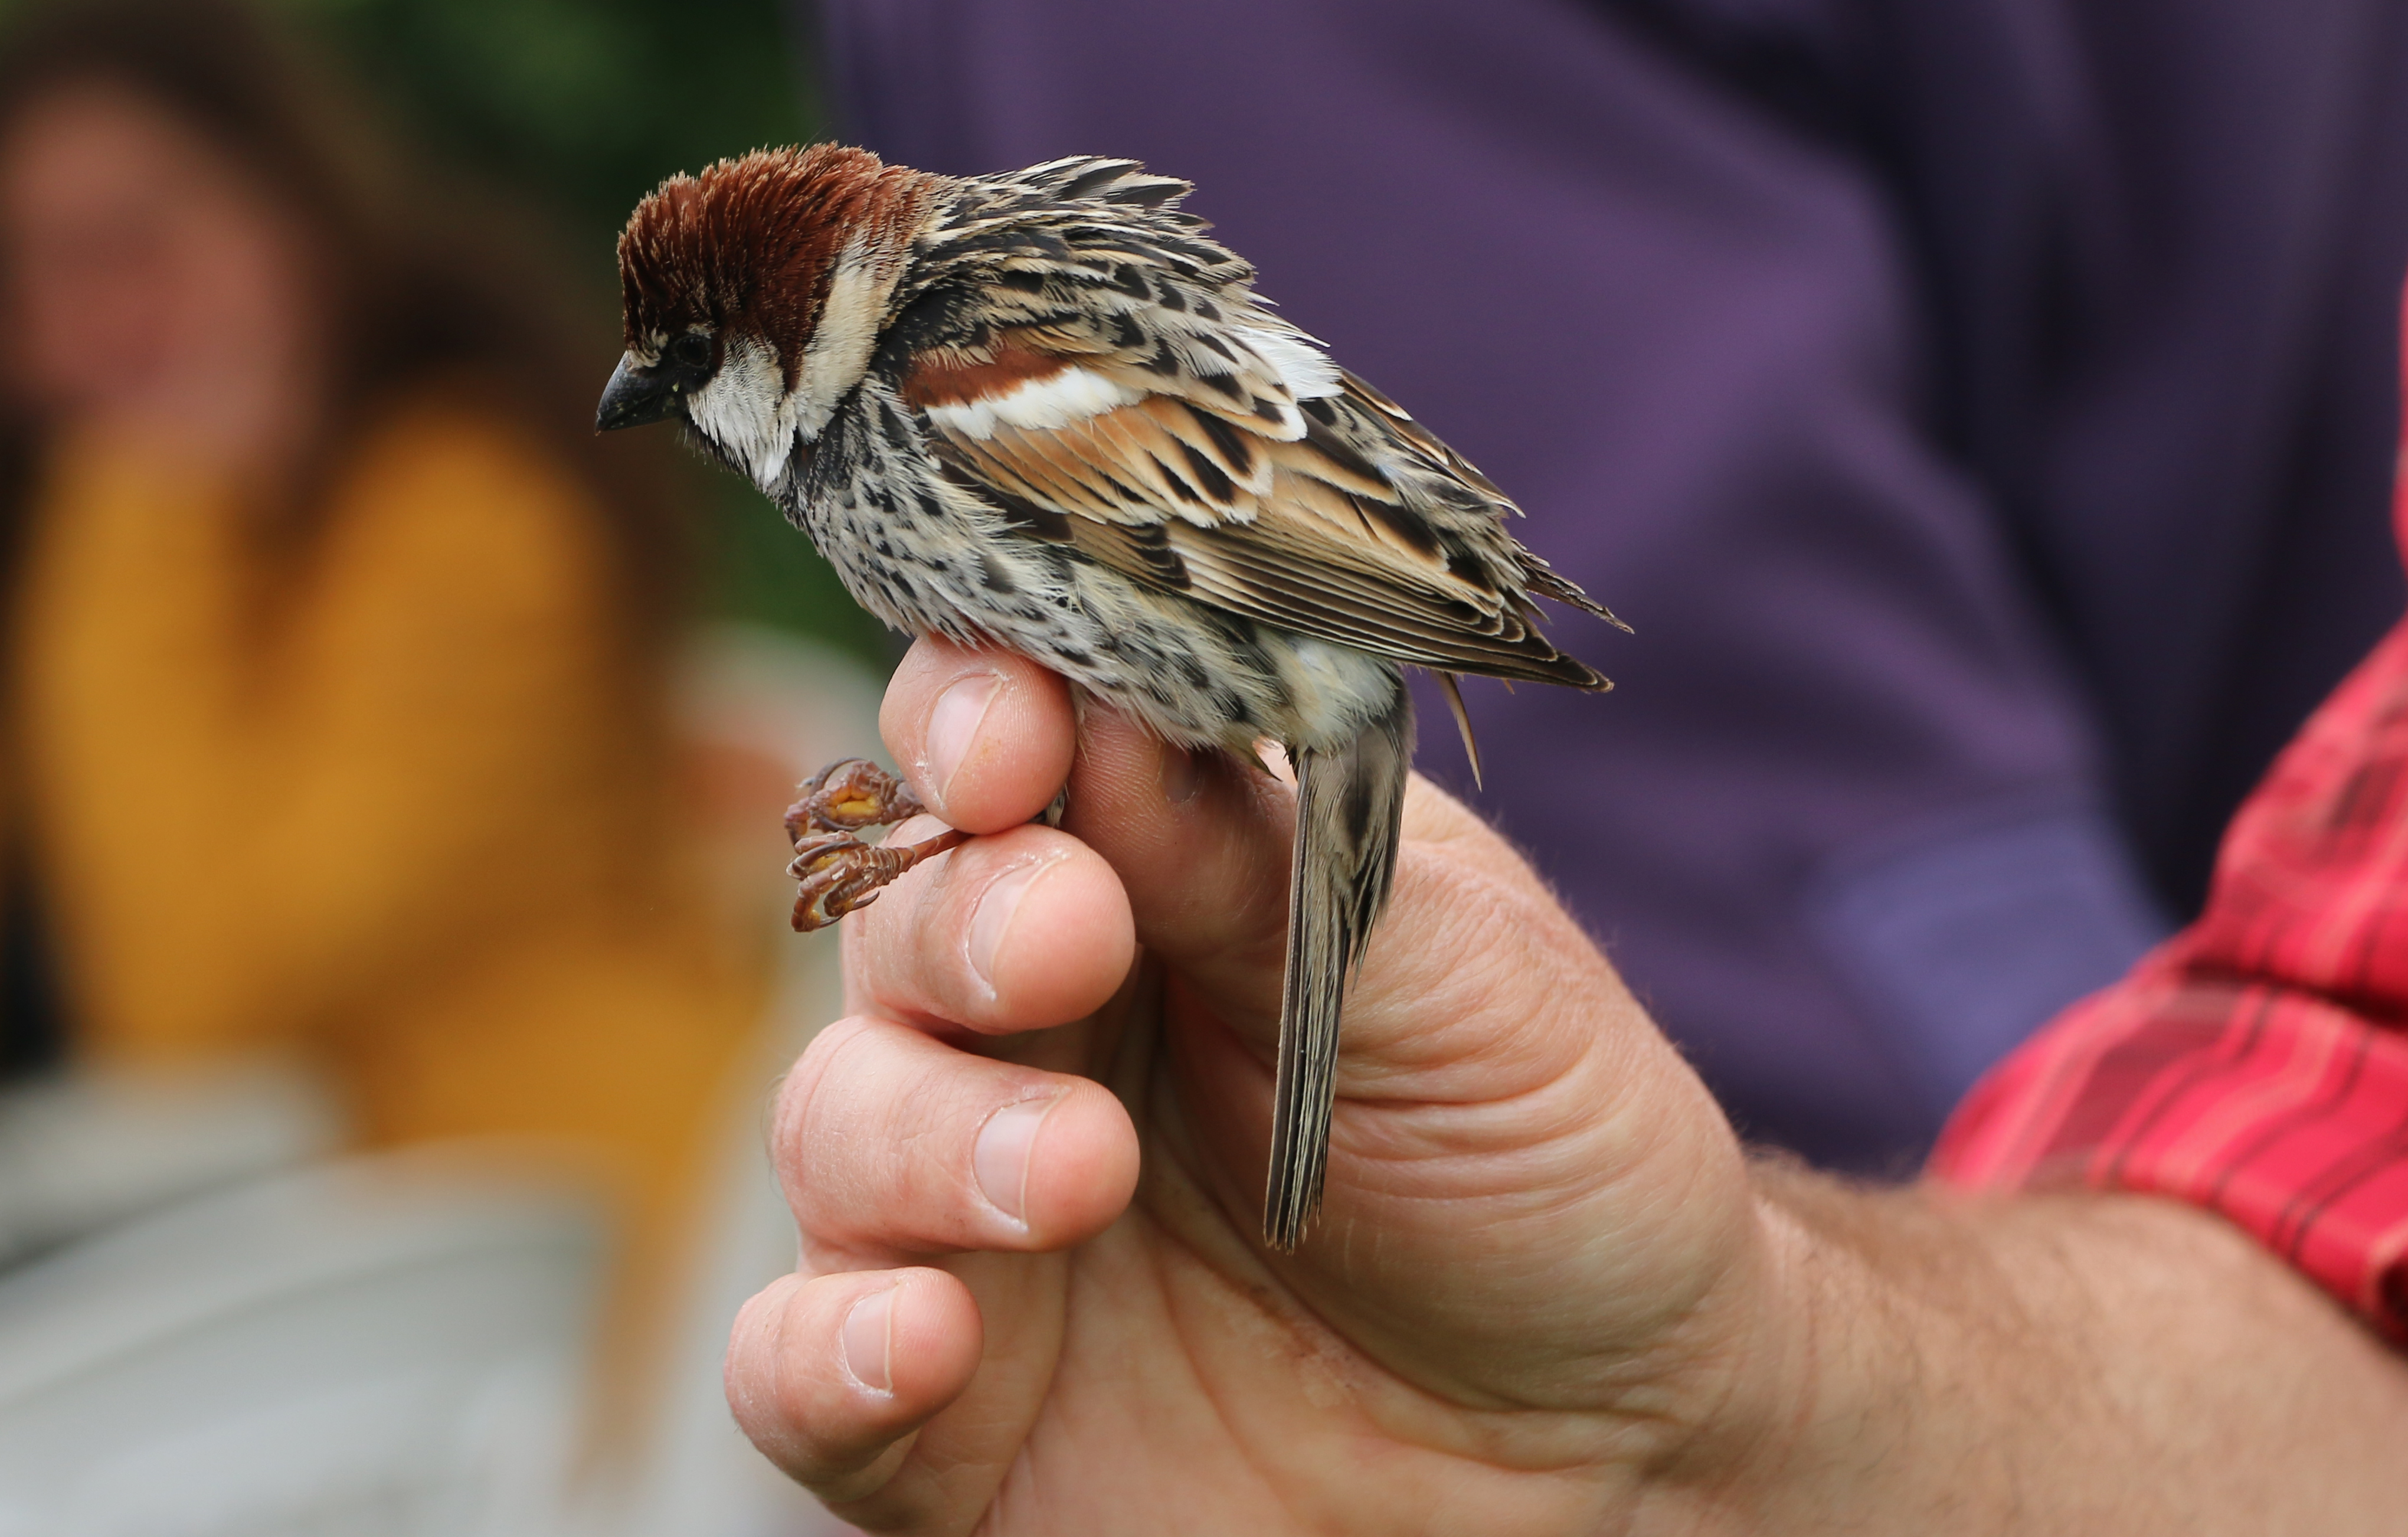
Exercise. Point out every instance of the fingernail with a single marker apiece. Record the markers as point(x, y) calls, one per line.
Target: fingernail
point(1181, 774)
point(868, 1340)
point(952, 725)
point(996, 907)
point(1001, 1157)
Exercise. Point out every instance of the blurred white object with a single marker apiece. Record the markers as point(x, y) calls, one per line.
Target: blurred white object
point(381, 1347)
point(800, 706)
point(705, 1478)
point(794, 698)
point(81, 1152)
point(392, 1347)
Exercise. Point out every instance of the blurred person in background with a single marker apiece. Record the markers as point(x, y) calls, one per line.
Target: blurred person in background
point(335, 718)
point(1982, 411)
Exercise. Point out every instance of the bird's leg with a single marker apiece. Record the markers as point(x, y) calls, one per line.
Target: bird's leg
point(839, 874)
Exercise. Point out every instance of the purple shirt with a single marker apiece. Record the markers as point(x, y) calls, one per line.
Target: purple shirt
point(1983, 409)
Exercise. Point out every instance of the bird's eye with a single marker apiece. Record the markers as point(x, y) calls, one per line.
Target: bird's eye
point(691, 351)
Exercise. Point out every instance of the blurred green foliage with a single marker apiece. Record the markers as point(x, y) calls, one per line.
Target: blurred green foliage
point(578, 107)
point(585, 104)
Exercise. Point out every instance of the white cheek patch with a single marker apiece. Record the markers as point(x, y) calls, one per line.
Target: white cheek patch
point(1039, 404)
point(747, 409)
point(841, 343)
point(1308, 374)
point(744, 410)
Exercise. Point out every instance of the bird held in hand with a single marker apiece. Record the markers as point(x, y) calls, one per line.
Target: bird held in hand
point(1044, 412)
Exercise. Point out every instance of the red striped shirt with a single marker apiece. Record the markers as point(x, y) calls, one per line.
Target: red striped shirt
point(2255, 1064)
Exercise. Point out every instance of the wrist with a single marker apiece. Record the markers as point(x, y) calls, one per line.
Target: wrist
point(2075, 1363)
point(1855, 1395)
point(1755, 1418)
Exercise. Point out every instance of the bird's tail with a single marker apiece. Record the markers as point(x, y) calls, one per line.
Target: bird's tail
point(1348, 806)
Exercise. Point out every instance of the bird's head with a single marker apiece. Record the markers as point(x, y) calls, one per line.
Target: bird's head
point(753, 295)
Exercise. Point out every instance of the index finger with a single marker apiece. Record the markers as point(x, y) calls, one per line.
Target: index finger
point(986, 737)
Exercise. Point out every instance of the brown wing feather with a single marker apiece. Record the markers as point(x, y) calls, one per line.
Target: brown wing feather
point(1343, 520)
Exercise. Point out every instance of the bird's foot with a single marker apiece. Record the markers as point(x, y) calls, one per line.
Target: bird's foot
point(838, 872)
point(847, 796)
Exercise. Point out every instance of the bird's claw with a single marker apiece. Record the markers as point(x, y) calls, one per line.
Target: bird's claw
point(847, 796)
point(840, 874)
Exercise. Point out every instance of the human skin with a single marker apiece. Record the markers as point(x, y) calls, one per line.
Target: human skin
point(159, 296)
point(1550, 1292)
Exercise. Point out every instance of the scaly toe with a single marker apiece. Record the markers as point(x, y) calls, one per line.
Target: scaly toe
point(838, 874)
point(849, 795)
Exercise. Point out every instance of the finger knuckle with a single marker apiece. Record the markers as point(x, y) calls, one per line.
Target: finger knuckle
point(817, 1081)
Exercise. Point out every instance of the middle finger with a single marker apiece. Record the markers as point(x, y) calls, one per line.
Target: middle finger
point(890, 1142)
point(1019, 930)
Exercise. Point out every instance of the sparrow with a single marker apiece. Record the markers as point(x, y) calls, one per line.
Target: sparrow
point(1046, 412)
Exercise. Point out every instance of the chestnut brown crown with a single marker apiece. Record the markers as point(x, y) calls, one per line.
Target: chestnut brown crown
point(751, 244)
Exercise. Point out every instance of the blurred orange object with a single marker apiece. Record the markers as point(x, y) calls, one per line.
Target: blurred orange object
point(338, 717)
point(414, 840)
point(414, 836)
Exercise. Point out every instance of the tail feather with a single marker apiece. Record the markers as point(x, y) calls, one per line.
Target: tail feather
point(1349, 805)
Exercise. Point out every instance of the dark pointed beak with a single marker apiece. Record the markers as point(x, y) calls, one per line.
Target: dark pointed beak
point(636, 395)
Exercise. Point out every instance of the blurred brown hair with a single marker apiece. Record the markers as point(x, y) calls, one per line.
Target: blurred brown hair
point(426, 282)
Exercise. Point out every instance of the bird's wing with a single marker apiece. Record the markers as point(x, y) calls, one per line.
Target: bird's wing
point(1199, 443)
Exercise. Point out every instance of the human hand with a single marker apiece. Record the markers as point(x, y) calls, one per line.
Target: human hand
point(1028, 1177)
